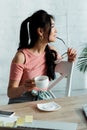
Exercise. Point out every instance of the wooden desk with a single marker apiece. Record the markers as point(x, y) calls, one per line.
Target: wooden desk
point(71, 110)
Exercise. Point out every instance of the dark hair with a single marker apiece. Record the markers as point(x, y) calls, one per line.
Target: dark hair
point(28, 32)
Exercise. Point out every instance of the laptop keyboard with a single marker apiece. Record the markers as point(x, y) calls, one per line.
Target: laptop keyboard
point(33, 128)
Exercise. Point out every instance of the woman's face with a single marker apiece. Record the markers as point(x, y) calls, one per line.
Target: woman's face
point(53, 33)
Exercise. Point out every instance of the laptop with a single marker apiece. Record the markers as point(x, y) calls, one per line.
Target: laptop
point(25, 128)
point(44, 125)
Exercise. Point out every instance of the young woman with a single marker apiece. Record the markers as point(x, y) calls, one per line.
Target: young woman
point(34, 57)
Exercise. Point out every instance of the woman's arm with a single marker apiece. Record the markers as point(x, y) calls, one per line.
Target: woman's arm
point(70, 52)
point(14, 90)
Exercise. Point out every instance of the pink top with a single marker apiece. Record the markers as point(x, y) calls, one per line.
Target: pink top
point(34, 66)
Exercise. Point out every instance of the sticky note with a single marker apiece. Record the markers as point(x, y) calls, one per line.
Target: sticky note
point(20, 121)
point(28, 118)
point(9, 124)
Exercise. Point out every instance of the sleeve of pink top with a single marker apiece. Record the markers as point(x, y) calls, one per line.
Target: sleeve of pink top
point(16, 71)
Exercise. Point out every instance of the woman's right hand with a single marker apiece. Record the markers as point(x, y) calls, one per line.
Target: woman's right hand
point(71, 54)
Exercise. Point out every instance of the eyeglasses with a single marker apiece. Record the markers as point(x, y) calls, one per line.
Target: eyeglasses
point(64, 54)
point(62, 41)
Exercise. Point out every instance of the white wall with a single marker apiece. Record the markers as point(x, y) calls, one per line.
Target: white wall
point(71, 22)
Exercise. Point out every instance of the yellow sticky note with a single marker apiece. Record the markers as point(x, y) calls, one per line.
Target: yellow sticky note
point(9, 124)
point(28, 118)
point(20, 121)
point(1, 123)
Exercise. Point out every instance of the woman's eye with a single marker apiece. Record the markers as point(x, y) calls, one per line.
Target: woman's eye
point(52, 26)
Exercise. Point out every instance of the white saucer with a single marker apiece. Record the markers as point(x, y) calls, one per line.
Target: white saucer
point(50, 106)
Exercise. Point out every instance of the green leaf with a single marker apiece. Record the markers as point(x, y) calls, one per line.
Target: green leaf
point(82, 60)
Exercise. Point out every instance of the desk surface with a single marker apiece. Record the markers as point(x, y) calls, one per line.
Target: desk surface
point(71, 110)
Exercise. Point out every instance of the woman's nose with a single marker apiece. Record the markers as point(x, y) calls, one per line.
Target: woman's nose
point(55, 30)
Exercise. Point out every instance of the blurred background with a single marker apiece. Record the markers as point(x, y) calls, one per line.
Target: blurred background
point(71, 23)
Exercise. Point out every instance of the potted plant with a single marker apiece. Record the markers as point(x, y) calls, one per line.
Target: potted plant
point(82, 64)
point(82, 60)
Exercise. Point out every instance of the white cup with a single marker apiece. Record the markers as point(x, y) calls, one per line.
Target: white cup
point(42, 82)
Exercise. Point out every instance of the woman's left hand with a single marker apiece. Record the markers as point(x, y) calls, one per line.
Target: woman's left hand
point(71, 54)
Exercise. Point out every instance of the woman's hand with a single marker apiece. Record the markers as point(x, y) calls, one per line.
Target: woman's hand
point(14, 90)
point(29, 85)
point(71, 54)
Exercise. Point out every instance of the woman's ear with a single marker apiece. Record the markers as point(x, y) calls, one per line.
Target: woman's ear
point(40, 31)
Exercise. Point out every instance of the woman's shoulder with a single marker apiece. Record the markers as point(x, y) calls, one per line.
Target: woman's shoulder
point(19, 57)
point(58, 53)
point(53, 48)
